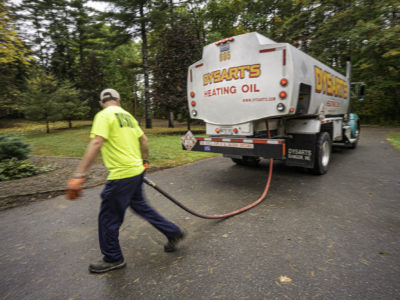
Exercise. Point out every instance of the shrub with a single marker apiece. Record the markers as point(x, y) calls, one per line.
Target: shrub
point(13, 147)
point(15, 169)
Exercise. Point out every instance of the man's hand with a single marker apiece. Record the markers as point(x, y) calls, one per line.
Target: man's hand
point(146, 165)
point(74, 187)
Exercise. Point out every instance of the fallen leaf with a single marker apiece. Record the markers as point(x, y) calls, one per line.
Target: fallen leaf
point(285, 279)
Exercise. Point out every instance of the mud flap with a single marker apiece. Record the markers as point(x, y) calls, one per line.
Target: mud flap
point(301, 150)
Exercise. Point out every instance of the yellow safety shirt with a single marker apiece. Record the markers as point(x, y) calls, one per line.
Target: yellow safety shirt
point(121, 149)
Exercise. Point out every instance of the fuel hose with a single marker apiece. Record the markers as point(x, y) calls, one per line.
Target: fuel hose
point(222, 216)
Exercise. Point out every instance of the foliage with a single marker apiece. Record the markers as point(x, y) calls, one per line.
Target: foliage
point(94, 50)
point(40, 99)
point(123, 69)
point(45, 100)
point(70, 105)
point(15, 59)
point(15, 169)
point(13, 147)
point(178, 49)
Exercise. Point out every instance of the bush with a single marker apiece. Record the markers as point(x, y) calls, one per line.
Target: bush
point(13, 147)
point(15, 169)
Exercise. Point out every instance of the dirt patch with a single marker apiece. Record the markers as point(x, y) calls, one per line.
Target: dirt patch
point(46, 185)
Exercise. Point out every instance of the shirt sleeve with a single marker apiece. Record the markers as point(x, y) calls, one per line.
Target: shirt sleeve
point(100, 126)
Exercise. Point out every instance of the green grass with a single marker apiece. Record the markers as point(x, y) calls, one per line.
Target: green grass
point(164, 143)
point(166, 151)
point(67, 142)
point(21, 126)
point(394, 139)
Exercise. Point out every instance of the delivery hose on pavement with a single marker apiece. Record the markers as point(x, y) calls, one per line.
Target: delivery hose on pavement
point(226, 215)
point(222, 216)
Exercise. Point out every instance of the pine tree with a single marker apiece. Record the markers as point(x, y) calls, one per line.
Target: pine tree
point(69, 103)
point(40, 101)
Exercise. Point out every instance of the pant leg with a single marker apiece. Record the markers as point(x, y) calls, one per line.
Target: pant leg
point(141, 207)
point(112, 211)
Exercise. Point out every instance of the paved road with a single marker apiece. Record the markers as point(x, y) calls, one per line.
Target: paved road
point(315, 237)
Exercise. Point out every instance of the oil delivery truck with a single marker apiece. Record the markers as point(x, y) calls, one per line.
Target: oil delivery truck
point(262, 99)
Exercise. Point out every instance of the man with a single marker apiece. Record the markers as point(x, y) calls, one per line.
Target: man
point(124, 150)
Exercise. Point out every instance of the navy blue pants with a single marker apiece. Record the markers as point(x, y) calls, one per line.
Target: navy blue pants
point(116, 197)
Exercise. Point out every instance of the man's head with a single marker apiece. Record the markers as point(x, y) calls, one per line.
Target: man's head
point(109, 97)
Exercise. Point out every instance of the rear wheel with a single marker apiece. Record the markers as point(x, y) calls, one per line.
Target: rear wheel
point(247, 161)
point(322, 153)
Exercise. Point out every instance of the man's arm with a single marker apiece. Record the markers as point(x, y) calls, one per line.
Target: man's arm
point(91, 153)
point(144, 146)
point(75, 184)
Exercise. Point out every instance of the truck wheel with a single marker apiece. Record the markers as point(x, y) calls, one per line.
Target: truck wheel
point(322, 153)
point(357, 137)
point(247, 161)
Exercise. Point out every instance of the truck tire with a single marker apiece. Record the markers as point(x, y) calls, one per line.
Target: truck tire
point(247, 161)
point(323, 152)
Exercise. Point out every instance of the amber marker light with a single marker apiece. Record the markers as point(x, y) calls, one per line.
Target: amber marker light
point(282, 95)
point(235, 130)
point(292, 109)
point(224, 41)
point(193, 103)
point(231, 39)
point(284, 82)
point(217, 43)
point(192, 94)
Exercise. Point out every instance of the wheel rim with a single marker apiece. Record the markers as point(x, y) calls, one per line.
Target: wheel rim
point(326, 152)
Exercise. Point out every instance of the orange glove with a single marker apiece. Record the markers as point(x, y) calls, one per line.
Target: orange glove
point(74, 188)
point(146, 165)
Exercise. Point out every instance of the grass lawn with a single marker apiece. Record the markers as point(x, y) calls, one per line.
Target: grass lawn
point(164, 143)
point(394, 139)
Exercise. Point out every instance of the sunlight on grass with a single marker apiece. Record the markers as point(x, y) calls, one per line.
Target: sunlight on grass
point(164, 143)
point(394, 139)
point(21, 126)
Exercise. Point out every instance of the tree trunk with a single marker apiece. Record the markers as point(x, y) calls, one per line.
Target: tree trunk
point(47, 127)
point(145, 68)
point(171, 120)
point(69, 124)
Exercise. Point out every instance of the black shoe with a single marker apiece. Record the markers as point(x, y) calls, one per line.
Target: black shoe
point(103, 266)
point(172, 243)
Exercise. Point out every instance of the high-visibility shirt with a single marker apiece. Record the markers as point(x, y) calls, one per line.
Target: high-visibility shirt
point(121, 150)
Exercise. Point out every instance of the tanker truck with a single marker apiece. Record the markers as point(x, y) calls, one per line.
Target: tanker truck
point(262, 99)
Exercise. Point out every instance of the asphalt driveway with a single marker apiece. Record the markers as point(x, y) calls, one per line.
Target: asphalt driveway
point(335, 236)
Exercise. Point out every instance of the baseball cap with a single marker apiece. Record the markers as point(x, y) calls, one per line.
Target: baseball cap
point(109, 94)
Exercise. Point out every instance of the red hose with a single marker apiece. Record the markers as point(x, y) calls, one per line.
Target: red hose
point(223, 216)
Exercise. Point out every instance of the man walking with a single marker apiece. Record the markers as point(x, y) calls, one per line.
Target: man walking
point(124, 149)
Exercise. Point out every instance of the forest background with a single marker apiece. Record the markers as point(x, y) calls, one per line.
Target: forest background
point(57, 55)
